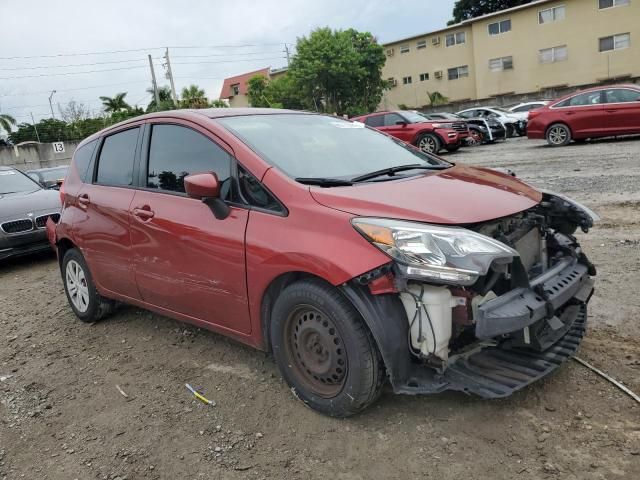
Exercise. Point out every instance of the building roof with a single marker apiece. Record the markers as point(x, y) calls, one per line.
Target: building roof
point(241, 81)
point(472, 20)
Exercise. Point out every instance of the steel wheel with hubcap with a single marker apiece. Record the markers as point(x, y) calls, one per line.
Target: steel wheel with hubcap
point(324, 350)
point(558, 135)
point(77, 286)
point(428, 143)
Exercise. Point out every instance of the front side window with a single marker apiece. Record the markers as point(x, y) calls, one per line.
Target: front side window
point(176, 151)
point(551, 14)
point(499, 27)
point(392, 119)
point(615, 42)
point(82, 158)
point(602, 4)
point(455, 38)
point(554, 54)
point(118, 152)
point(253, 193)
point(622, 95)
point(503, 63)
point(321, 146)
point(458, 72)
point(582, 100)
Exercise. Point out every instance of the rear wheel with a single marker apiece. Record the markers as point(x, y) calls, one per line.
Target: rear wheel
point(84, 299)
point(429, 143)
point(324, 350)
point(510, 129)
point(475, 137)
point(558, 135)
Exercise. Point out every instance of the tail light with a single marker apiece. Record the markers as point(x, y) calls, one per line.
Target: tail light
point(534, 113)
point(61, 190)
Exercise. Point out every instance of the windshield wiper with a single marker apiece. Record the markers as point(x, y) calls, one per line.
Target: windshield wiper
point(325, 182)
point(393, 170)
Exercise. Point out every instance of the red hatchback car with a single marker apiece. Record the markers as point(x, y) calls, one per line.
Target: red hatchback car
point(353, 257)
point(410, 127)
point(596, 112)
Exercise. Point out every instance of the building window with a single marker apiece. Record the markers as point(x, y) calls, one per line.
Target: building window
point(424, 76)
point(498, 64)
point(421, 44)
point(235, 89)
point(602, 4)
point(500, 27)
point(615, 42)
point(458, 72)
point(555, 54)
point(406, 80)
point(456, 38)
point(551, 14)
point(404, 49)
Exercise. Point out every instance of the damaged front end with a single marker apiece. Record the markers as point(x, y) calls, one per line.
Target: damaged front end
point(485, 309)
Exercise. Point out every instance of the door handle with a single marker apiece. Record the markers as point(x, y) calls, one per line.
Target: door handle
point(570, 113)
point(143, 213)
point(83, 201)
point(611, 111)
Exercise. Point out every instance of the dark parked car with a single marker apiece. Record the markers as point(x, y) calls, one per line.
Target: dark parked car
point(24, 209)
point(481, 130)
point(352, 256)
point(49, 177)
point(592, 113)
point(512, 123)
point(413, 128)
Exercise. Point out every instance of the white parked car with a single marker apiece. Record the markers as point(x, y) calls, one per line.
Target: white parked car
point(512, 123)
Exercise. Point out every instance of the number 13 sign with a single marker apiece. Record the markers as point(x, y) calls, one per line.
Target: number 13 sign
point(58, 147)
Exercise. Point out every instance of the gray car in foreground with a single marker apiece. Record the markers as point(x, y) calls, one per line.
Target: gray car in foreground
point(24, 209)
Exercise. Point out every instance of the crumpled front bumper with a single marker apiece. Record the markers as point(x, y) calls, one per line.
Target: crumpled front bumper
point(23, 243)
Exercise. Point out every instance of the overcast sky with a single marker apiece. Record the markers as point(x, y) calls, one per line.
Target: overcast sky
point(232, 36)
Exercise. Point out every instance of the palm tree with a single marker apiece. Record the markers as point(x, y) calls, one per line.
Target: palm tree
point(116, 103)
point(193, 97)
point(436, 98)
point(164, 95)
point(6, 122)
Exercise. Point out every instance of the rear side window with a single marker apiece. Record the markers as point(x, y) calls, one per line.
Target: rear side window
point(115, 165)
point(176, 152)
point(82, 159)
point(376, 121)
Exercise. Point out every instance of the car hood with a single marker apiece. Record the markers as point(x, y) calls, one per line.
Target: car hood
point(19, 204)
point(457, 196)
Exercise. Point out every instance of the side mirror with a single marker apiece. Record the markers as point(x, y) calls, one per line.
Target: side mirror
point(206, 187)
point(401, 123)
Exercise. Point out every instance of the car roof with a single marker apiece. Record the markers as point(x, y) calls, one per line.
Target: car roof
point(4, 168)
point(632, 86)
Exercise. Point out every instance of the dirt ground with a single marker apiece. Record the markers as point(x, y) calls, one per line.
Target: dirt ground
point(62, 416)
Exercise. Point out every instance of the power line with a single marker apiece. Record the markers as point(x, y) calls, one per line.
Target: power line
point(74, 65)
point(226, 54)
point(70, 73)
point(74, 89)
point(229, 61)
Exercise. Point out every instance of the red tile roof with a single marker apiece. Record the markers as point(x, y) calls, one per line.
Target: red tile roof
point(240, 80)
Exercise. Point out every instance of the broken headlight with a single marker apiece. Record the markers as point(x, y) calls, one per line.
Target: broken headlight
point(441, 254)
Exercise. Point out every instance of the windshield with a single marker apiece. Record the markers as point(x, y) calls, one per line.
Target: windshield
point(54, 174)
point(413, 117)
point(12, 181)
point(320, 146)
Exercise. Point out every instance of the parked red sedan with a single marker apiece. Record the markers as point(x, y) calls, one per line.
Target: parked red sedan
point(430, 137)
point(592, 113)
point(353, 257)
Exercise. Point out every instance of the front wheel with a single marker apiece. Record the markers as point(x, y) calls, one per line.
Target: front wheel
point(453, 148)
point(324, 351)
point(84, 299)
point(558, 135)
point(429, 143)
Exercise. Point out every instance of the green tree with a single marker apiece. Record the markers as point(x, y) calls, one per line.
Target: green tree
point(116, 103)
point(218, 103)
point(123, 115)
point(193, 97)
point(436, 99)
point(256, 91)
point(338, 71)
point(166, 101)
point(467, 9)
point(6, 122)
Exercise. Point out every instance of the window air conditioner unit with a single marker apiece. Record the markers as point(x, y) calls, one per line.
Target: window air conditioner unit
point(435, 41)
point(389, 52)
point(438, 74)
point(392, 82)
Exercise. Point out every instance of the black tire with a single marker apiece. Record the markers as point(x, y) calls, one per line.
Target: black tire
point(476, 137)
point(324, 351)
point(510, 130)
point(452, 148)
point(429, 143)
point(558, 135)
point(84, 299)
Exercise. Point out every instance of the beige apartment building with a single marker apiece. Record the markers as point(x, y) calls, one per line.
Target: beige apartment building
point(534, 49)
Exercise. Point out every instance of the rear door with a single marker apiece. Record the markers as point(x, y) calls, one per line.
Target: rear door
point(101, 225)
point(584, 113)
point(622, 110)
point(186, 260)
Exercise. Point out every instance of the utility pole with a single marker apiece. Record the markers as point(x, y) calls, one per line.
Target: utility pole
point(170, 77)
point(34, 127)
point(155, 85)
point(286, 50)
point(51, 105)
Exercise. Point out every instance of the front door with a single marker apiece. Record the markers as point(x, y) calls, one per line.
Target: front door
point(185, 259)
point(396, 125)
point(584, 113)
